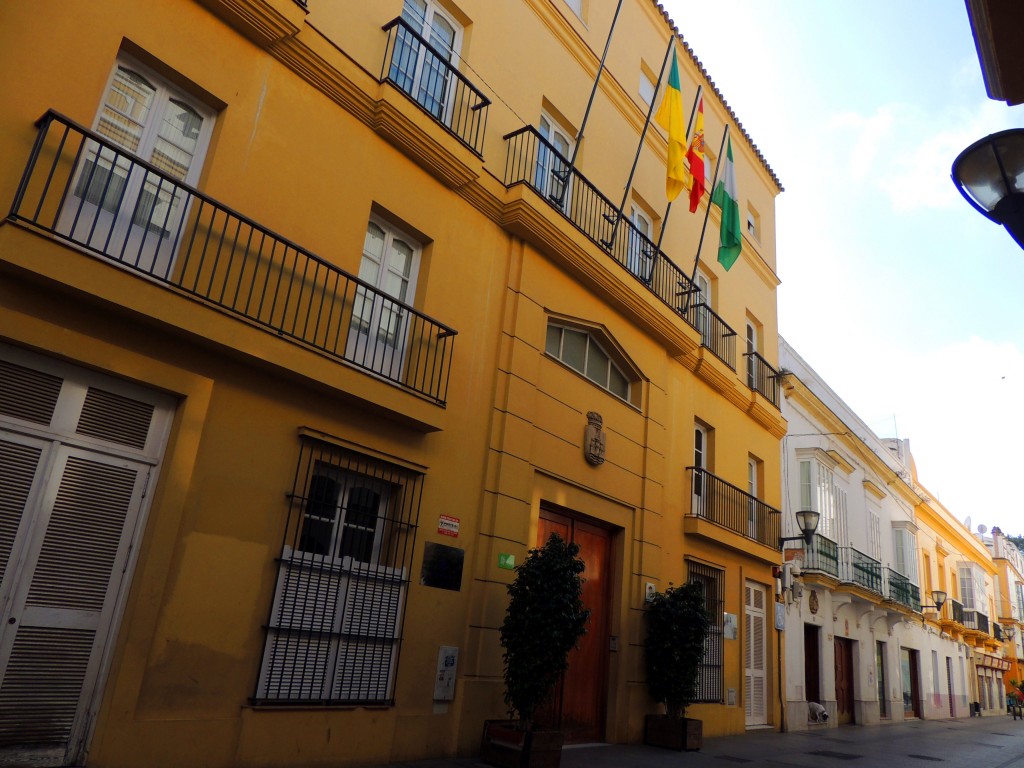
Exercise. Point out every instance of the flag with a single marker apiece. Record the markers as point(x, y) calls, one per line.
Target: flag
point(726, 198)
point(696, 157)
point(670, 117)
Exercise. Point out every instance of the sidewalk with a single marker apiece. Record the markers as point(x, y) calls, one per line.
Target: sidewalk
point(978, 742)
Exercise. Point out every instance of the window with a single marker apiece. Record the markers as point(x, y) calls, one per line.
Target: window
point(752, 343)
point(821, 490)
point(701, 464)
point(703, 304)
point(420, 72)
point(647, 88)
point(753, 224)
point(709, 677)
point(551, 175)
point(378, 333)
point(335, 623)
point(581, 351)
point(755, 475)
point(972, 587)
point(874, 535)
point(119, 207)
point(641, 245)
point(904, 547)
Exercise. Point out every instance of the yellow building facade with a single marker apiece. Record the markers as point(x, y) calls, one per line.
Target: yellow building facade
point(313, 321)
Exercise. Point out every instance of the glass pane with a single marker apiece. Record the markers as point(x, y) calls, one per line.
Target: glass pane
point(415, 12)
point(442, 35)
point(618, 383)
point(363, 504)
point(126, 108)
point(597, 365)
point(553, 343)
point(574, 349)
point(373, 252)
point(177, 139)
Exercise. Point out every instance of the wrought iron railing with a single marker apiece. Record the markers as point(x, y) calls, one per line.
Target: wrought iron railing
point(957, 609)
point(85, 190)
point(723, 503)
point(762, 377)
point(976, 620)
point(857, 568)
point(715, 333)
point(902, 591)
point(997, 631)
point(533, 160)
point(428, 77)
point(821, 555)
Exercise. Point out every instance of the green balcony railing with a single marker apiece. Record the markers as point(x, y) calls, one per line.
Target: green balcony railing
point(902, 591)
point(857, 568)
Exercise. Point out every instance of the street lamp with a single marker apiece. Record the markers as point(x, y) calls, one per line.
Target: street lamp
point(939, 598)
point(990, 176)
point(807, 519)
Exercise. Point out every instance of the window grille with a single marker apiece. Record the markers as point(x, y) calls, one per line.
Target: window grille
point(335, 626)
point(709, 680)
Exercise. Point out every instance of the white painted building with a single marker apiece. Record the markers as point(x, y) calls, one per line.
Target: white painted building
point(856, 639)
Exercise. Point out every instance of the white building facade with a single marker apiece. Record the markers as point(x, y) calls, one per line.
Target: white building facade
point(861, 639)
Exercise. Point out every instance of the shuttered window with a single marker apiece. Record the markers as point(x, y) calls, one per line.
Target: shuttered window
point(709, 677)
point(334, 632)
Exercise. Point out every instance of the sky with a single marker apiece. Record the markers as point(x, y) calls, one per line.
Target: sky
point(904, 299)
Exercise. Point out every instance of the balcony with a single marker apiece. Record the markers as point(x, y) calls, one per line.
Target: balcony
point(997, 632)
point(976, 620)
point(900, 590)
point(761, 377)
point(726, 505)
point(957, 611)
point(857, 568)
point(715, 333)
point(822, 555)
point(532, 160)
point(88, 192)
point(427, 76)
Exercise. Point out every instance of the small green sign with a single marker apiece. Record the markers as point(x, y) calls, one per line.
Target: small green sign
point(506, 561)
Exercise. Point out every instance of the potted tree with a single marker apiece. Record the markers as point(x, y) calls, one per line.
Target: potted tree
point(677, 628)
point(544, 620)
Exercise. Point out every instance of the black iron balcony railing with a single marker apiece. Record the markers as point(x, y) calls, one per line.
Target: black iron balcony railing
point(976, 620)
point(723, 503)
point(85, 190)
point(533, 160)
point(821, 555)
point(761, 377)
point(957, 609)
point(997, 631)
point(857, 568)
point(715, 333)
point(902, 591)
point(428, 77)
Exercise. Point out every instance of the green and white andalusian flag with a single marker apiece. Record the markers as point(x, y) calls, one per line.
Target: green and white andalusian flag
point(726, 198)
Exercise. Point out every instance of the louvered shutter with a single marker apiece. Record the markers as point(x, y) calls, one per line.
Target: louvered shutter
point(373, 608)
point(49, 653)
point(755, 682)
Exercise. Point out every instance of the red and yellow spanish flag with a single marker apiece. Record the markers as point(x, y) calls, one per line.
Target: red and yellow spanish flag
point(696, 157)
point(670, 117)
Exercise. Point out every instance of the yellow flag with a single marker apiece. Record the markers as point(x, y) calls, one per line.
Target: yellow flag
point(670, 117)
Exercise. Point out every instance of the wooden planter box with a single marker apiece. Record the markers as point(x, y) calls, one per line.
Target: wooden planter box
point(505, 745)
point(674, 732)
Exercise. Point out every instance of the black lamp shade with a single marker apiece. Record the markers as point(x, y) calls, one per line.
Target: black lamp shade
point(990, 176)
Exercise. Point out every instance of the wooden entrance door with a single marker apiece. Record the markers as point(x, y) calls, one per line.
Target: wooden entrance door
point(578, 705)
point(755, 643)
point(911, 683)
point(844, 680)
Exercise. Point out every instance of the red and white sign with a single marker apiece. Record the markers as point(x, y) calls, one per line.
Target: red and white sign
point(448, 526)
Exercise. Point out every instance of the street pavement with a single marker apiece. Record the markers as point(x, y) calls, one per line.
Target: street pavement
point(978, 742)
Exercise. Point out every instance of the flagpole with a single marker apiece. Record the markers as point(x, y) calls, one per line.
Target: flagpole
point(707, 213)
point(610, 242)
point(668, 208)
point(586, 115)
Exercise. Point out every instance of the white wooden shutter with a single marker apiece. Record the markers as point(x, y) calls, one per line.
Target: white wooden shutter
point(373, 610)
point(755, 687)
point(76, 452)
point(49, 654)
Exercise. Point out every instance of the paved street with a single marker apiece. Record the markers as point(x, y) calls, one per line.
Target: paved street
point(989, 742)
